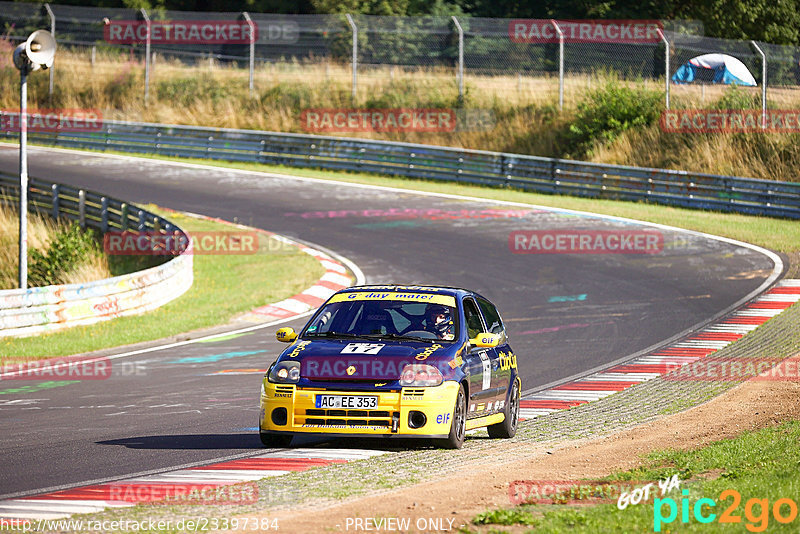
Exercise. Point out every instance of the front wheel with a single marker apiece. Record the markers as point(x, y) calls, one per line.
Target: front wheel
point(458, 427)
point(275, 440)
point(508, 427)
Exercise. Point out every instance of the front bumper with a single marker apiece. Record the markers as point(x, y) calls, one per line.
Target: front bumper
point(287, 408)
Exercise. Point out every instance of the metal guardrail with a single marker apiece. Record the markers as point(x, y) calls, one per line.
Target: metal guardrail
point(86, 207)
point(531, 173)
point(31, 311)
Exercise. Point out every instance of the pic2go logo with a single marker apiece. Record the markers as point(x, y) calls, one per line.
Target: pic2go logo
point(756, 511)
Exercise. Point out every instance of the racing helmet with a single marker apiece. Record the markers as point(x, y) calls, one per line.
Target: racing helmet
point(439, 319)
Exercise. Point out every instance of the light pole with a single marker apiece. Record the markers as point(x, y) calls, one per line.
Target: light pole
point(37, 52)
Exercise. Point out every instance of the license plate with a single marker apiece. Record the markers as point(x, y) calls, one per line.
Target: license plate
point(346, 401)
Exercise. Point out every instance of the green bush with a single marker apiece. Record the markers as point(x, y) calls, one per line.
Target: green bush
point(608, 111)
point(118, 92)
point(513, 516)
point(736, 98)
point(294, 96)
point(403, 93)
point(66, 251)
point(185, 91)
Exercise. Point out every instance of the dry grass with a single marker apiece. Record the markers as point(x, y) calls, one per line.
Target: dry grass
point(771, 156)
point(94, 268)
point(41, 230)
point(526, 107)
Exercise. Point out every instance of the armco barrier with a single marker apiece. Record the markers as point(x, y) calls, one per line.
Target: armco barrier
point(545, 175)
point(25, 312)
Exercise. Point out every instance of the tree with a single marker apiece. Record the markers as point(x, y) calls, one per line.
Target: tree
point(363, 7)
point(772, 21)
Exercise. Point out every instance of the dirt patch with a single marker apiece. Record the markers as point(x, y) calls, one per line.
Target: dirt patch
point(453, 501)
point(794, 265)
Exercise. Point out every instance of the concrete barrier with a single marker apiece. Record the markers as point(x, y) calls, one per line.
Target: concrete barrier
point(32, 311)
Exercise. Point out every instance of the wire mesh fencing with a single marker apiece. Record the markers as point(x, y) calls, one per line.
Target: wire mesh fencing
point(545, 56)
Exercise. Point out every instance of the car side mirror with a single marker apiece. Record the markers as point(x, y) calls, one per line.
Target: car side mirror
point(286, 334)
point(485, 340)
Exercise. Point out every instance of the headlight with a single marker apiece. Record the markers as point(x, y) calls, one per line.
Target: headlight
point(419, 374)
point(285, 373)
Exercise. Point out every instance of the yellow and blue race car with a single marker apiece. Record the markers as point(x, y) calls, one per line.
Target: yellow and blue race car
point(394, 361)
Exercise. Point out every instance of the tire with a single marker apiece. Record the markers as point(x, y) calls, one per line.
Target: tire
point(508, 427)
point(275, 440)
point(458, 427)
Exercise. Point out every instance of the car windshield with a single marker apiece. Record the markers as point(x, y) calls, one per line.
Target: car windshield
point(386, 318)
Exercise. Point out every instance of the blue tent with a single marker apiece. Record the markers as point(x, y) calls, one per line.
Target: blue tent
point(716, 68)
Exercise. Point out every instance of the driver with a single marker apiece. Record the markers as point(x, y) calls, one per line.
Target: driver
point(439, 320)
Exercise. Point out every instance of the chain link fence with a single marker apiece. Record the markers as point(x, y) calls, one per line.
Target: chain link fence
point(359, 47)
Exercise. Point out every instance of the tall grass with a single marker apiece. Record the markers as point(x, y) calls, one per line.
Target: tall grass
point(525, 108)
point(42, 233)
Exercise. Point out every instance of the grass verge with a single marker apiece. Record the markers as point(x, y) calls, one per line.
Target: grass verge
point(745, 476)
point(224, 285)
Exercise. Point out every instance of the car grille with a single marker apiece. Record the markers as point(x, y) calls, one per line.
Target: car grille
point(316, 416)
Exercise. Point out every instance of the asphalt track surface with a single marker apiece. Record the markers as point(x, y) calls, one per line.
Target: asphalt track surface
point(565, 313)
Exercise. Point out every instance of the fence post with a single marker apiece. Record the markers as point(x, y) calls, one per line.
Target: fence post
point(123, 216)
point(252, 26)
point(23, 178)
point(560, 64)
point(146, 56)
point(460, 72)
point(55, 190)
point(53, 33)
point(666, 66)
point(354, 29)
point(82, 209)
point(763, 84)
point(104, 215)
